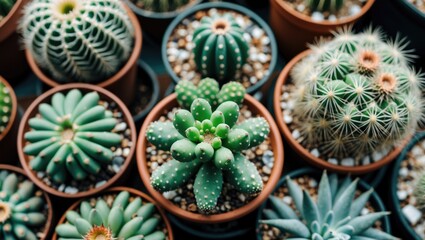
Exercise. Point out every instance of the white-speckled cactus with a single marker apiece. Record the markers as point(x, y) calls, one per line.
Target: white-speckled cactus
point(325, 5)
point(5, 106)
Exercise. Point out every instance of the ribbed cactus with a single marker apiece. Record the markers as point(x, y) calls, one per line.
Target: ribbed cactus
point(420, 192)
point(5, 106)
point(21, 208)
point(71, 136)
point(78, 40)
point(126, 218)
point(336, 213)
point(356, 94)
point(209, 90)
point(207, 145)
point(325, 5)
point(5, 7)
point(161, 5)
point(220, 49)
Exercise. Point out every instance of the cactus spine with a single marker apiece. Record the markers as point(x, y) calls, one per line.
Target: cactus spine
point(78, 40)
point(5, 106)
point(325, 5)
point(5, 7)
point(162, 5)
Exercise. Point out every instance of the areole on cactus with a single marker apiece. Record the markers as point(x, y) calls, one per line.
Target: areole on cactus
point(162, 5)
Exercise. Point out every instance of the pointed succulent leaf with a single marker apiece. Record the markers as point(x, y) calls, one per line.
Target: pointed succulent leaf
point(201, 109)
point(207, 188)
point(244, 176)
point(204, 152)
point(282, 209)
point(230, 111)
point(258, 130)
point(183, 120)
point(183, 150)
point(186, 93)
point(162, 135)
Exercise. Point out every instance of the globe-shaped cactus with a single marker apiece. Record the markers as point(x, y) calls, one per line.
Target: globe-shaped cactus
point(220, 49)
point(78, 40)
point(5, 7)
point(161, 5)
point(71, 136)
point(21, 208)
point(126, 218)
point(5, 107)
point(325, 5)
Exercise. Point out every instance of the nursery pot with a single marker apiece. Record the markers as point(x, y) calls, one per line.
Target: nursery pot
point(295, 30)
point(46, 97)
point(117, 190)
point(120, 82)
point(277, 146)
point(304, 153)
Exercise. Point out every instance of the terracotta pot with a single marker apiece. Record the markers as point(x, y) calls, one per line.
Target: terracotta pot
point(295, 30)
point(304, 153)
point(133, 192)
point(120, 82)
point(46, 97)
point(49, 219)
point(277, 146)
point(12, 57)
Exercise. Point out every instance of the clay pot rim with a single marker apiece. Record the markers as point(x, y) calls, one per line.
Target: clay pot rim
point(14, 111)
point(231, 7)
point(275, 140)
point(160, 15)
point(132, 191)
point(49, 219)
point(131, 61)
point(23, 126)
point(304, 153)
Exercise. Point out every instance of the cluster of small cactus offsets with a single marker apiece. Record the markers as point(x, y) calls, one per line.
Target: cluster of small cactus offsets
point(335, 215)
point(161, 5)
point(209, 90)
point(71, 136)
point(220, 50)
point(98, 39)
point(122, 219)
point(5, 7)
point(356, 94)
point(325, 5)
point(20, 208)
point(5, 107)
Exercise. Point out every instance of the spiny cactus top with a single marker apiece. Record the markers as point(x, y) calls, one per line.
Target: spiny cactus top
point(336, 214)
point(5, 7)
point(325, 5)
point(123, 219)
point(72, 136)
point(220, 49)
point(78, 40)
point(208, 144)
point(161, 5)
point(209, 90)
point(357, 94)
point(21, 208)
point(5, 106)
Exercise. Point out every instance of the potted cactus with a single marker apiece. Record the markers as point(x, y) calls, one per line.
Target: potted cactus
point(25, 211)
point(222, 41)
point(119, 213)
point(8, 122)
point(298, 23)
point(331, 208)
point(349, 104)
point(101, 46)
point(76, 140)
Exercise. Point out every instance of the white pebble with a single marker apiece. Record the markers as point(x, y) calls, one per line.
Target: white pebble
point(183, 55)
point(333, 161)
point(300, 7)
point(315, 152)
point(417, 151)
point(296, 134)
point(242, 197)
point(412, 214)
point(377, 155)
point(354, 9)
point(71, 190)
point(317, 16)
point(401, 195)
point(332, 18)
point(365, 211)
point(312, 183)
point(287, 118)
point(169, 195)
point(347, 162)
point(257, 32)
point(287, 200)
point(403, 172)
point(120, 127)
point(421, 160)
point(366, 160)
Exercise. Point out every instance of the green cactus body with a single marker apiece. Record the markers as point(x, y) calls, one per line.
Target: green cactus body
point(126, 218)
point(5, 7)
point(21, 208)
point(78, 40)
point(208, 146)
point(420, 192)
point(336, 213)
point(220, 49)
point(72, 136)
point(325, 5)
point(161, 6)
point(5, 107)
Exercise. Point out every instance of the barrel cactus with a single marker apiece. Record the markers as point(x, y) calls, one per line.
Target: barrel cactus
point(336, 214)
point(356, 94)
point(5, 107)
point(220, 49)
point(161, 5)
point(5, 7)
point(126, 218)
point(78, 40)
point(21, 208)
point(71, 136)
point(325, 5)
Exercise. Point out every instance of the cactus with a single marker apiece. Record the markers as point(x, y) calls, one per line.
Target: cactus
point(336, 214)
point(78, 40)
point(126, 218)
point(5, 7)
point(220, 49)
point(207, 145)
point(209, 90)
point(331, 6)
point(354, 96)
point(420, 192)
point(71, 136)
point(161, 5)
point(21, 208)
point(5, 106)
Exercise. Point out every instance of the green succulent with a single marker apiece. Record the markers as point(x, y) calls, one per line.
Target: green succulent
point(209, 90)
point(5, 106)
point(336, 214)
point(21, 208)
point(325, 5)
point(420, 192)
point(78, 40)
point(220, 49)
point(162, 5)
point(5, 7)
point(72, 136)
point(208, 145)
point(123, 219)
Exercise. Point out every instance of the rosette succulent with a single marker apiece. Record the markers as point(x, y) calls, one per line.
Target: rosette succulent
point(5, 107)
point(220, 49)
point(78, 40)
point(5, 7)
point(21, 208)
point(126, 218)
point(325, 5)
point(335, 215)
point(72, 136)
point(356, 94)
point(161, 5)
